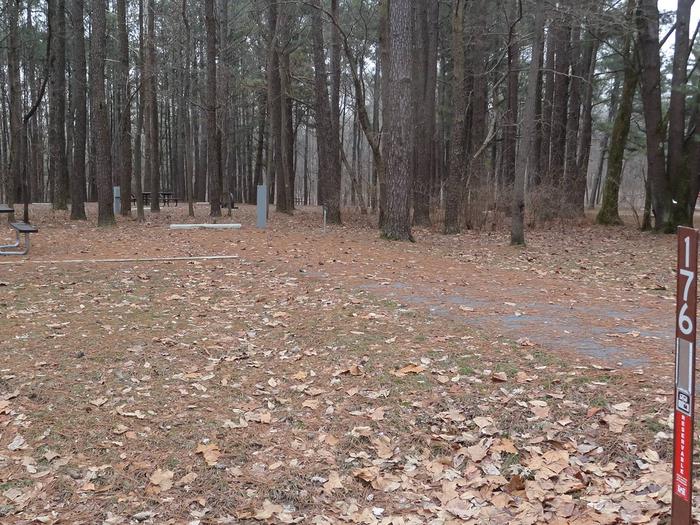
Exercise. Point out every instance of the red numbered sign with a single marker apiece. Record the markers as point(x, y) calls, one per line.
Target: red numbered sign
point(686, 299)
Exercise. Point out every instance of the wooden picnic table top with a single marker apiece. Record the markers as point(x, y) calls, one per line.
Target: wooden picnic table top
point(4, 208)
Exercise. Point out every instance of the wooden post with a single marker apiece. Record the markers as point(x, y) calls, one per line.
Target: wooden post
point(684, 399)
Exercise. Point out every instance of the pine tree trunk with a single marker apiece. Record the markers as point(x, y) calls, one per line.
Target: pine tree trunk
point(458, 140)
point(510, 124)
point(153, 135)
point(213, 173)
point(138, 159)
point(385, 66)
point(560, 102)
point(569, 205)
point(609, 212)
point(586, 134)
point(399, 134)
point(650, 79)
point(526, 161)
point(547, 96)
point(324, 127)
point(123, 165)
point(284, 164)
point(478, 54)
point(14, 186)
point(604, 142)
point(100, 123)
point(58, 169)
point(78, 87)
point(425, 82)
point(260, 147)
point(189, 147)
point(677, 167)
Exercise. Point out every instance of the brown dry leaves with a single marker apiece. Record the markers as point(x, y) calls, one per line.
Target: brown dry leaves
point(210, 452)
point(287, 386)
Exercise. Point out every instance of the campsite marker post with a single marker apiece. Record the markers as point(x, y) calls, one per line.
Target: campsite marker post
point(684, 394)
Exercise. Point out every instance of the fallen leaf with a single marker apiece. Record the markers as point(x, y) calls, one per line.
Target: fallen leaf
point(268, 510)
point(210, 452)
point(409, 369)
point(333, 483)
point(99, 401)
point(162, 480)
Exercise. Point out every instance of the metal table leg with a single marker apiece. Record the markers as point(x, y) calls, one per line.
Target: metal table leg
point(14, 245)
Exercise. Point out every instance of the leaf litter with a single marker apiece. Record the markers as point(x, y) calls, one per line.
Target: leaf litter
point(212, 392)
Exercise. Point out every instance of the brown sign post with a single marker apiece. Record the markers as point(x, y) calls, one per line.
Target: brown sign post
point(684, 400)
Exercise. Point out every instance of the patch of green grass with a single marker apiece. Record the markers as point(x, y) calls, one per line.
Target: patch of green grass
point(598, 401)
point(544, 358)
point(655, 426)
point(407, 383)
point(509, 461)
point(509, 368)
point(15, 483)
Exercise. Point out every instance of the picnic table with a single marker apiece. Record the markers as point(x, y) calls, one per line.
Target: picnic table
point(165, 196)
point(20, 228)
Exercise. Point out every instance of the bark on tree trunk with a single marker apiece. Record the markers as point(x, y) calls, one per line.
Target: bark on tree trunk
point(650, 78)
point(560, 102)
point(677, 167)
point(284, 159)
point(140, 77)
point(609, 213)
point(399, 135)
point(526, 161)
point(260, 149)
point(458, 140)
point(123, 126)
point(425, 83)
point(13, 180)
point(100, 123)
point(385, 65)
point(333, 183)
point(213, 172)
point(510, 121)
point(152, 109)
point(586, 135)
point(324, 121)
point(58, 168)
point(604, 142)
point(570, 207)
point(79, 86)
point(547, 97)
point(190, 149)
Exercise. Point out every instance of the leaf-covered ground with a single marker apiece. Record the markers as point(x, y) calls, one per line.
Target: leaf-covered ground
point(332, 377)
